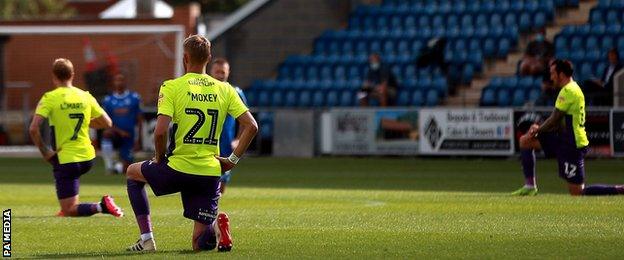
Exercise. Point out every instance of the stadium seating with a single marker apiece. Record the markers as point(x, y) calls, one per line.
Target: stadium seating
point(585, 45)
point(511, 91)
point(398, 30)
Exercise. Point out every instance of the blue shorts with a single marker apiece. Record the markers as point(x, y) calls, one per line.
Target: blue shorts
point(570, 159)
point(67, 176)
point(124, 145)
point(200, 194)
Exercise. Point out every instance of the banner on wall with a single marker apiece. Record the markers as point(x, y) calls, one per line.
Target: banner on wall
point(374, 131)
point(466, 131)
point(617, 132)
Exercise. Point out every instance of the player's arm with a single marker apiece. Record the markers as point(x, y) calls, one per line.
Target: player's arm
point(102, 121)
point(552, 123)
point(99, 117)
point(35, 136)
point(160, 137)
point(248, 129)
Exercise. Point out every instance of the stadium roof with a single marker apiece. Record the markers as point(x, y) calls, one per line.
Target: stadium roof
point(126, 9)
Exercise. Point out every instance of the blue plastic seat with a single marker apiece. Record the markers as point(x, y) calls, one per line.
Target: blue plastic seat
point(612, 17)
point(510, 19)
point(340, 72)
point(318, 99)
point(534, 94)
point(503, 98)
point(332, 98)
point(503, 48)
point(489, 48)
point(403, 97)
point(539, 20)
point(423, 22)
point(263, 98)
point(409, 22)
point(466, 20)
point(518, 98)
point(432, 98)
point(525, 83)
point(312, 72)
point(346, 98)
point(417, 98)
point(277, 98)
point(291, 98)
point(595, 16)
point(488, 97)
point(304, 99)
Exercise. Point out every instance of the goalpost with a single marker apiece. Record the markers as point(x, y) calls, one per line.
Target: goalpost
point(146, 52)
point(105, 29)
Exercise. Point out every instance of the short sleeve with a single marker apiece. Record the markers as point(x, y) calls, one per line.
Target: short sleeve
point(165, 101)
point(564, 101)
point(96, 109)
point(236, 106)
point(44, 107)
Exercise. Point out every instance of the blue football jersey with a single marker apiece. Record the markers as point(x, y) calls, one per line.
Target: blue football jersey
point(123, 109)
point(228, 134)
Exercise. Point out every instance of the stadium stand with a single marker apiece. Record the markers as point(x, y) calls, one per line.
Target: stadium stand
point(586, 45)
point(398, 30)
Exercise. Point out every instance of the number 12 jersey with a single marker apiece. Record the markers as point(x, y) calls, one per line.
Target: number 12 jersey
point(198, 105)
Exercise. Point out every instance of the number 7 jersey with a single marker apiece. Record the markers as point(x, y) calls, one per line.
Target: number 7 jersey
point(198, 105)
point(69, 111)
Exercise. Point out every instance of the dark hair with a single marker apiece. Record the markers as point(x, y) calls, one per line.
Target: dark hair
point(564, 66)
point(615, 51)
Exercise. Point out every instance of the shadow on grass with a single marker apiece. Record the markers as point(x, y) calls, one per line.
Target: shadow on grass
point(409, 174)
point(124, 253)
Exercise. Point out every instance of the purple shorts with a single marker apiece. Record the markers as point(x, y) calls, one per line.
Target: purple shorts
point(571, 160)
point(200, 194)
point(67, 177)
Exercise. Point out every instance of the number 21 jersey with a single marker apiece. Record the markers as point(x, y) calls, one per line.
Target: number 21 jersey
point(69, 111)
point(198, 105)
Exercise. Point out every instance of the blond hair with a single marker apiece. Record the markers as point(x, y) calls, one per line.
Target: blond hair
point(63, 69)
point(198, 48)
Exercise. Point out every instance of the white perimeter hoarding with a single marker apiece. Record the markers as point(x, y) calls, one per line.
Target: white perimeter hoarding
point(466, 131)
point(374, 131)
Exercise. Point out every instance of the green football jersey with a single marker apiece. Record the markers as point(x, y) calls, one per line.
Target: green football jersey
point(571, 101)
point(198, 105)
point(69, 111)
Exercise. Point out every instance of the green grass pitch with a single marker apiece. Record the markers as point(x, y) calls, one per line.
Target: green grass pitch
point(338, 208)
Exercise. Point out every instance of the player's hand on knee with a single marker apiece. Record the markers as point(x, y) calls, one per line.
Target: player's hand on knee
point(533, 130)
point(226, 165)
point(49, 155)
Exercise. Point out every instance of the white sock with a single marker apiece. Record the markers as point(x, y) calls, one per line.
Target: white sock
point(98, 207)
point(147, 236)
point(107, 153)
point(529, 186)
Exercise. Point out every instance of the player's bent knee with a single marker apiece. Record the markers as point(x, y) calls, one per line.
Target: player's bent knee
point(527, 142)
point(134, 171)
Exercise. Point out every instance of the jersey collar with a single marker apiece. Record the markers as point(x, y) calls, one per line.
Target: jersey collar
point(122, 95)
